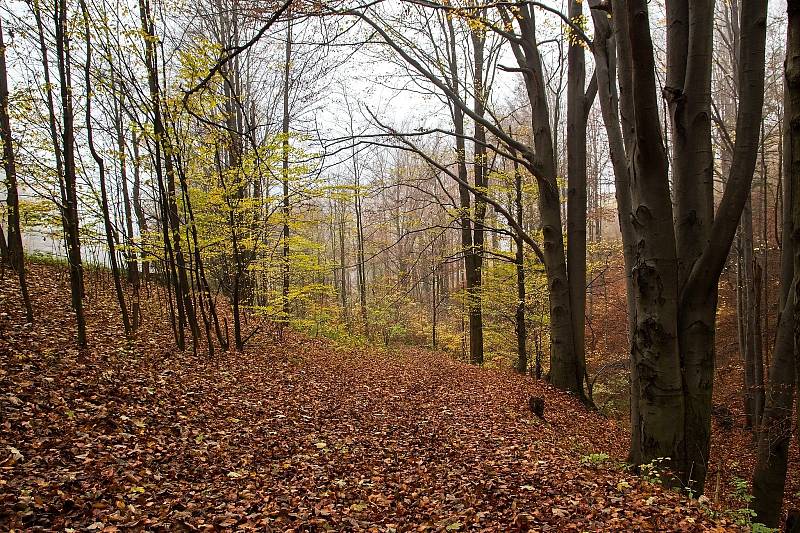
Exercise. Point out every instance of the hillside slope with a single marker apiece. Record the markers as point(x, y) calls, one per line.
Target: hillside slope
point(293, 435)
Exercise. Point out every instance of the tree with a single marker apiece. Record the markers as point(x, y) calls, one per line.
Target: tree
point(101, 168)
point(769, 477)
point(15, 254)
point(170, 214)
point(519, 31)
point(679, 253)
point(69, 198)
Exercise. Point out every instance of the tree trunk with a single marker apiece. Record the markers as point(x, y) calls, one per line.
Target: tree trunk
point(654, 350)
point(471, 266)
point(519, 259)
point(5, 259)
point(676, 268)
point(133, 264)
point(617, 116)
point(361, 272)
point(285, 172)
point(565, 367)
point(70, 196)
point(576, 189)
point(754, 373)
point(15, 253)
point(138, 208)
point(769, 478)
point(482, 183)
point(172, 221)
point(101, 168)
point(699, 292)
point(342, 262)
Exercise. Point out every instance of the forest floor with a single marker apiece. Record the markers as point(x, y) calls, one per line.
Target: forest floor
point(295, 434)
point(733, 450)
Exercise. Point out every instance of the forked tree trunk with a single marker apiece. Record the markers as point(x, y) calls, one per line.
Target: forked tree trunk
point(566, 371)
point(699, 291)
point(675, 271)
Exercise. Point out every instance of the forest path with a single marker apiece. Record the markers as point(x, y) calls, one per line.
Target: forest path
point(297, 435)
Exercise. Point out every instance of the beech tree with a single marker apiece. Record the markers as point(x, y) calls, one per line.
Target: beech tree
point(769, 477)
point(257, 202)
point(676, 253)
point(12, 247)
point(517, 27)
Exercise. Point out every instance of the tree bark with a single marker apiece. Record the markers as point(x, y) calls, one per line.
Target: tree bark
point(676, 271)
point(565, 367)
point(13, 247)
point(183, 297)
point(519, 260)
point(285, 173)
point(688, 94)
point(754, 373)
point(138, 208)
point(617, 115)
point(481, 178)
point(133, 264)
point(699, 292)
point(576, 189)
point(769, 478)
point(471, 262)
point(654, 350)
point(70, 196)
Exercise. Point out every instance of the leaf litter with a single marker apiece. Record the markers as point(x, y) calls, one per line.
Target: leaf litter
point(292, 435)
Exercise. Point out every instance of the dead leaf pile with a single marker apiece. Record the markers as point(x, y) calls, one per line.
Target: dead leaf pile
point(297, 435)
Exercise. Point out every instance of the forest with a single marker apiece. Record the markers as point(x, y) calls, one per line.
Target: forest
point(400, 265)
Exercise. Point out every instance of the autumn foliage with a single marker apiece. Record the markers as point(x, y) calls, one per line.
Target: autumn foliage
point(294, 434)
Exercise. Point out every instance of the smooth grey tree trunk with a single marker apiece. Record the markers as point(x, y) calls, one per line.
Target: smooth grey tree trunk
point(617, 117)
point(576, 189)
point(481, 179)
point(675, 271)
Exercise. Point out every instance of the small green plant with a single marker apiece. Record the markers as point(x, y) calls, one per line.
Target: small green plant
point(594, 459)
point(758, 527)
point(655, 471)
point(744, 515)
